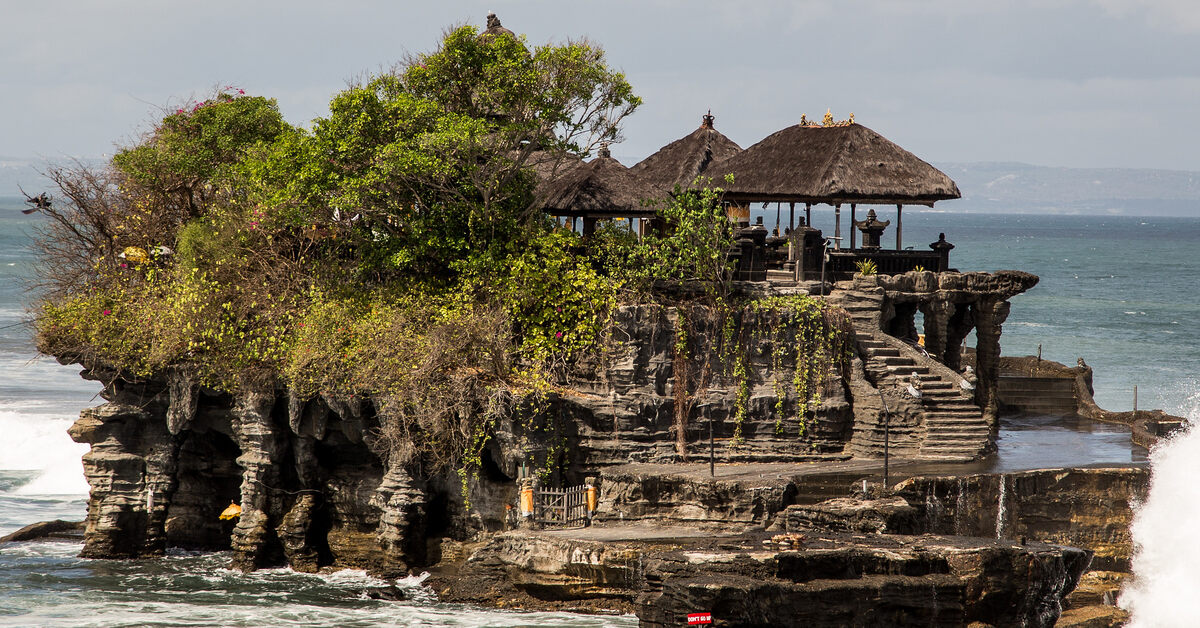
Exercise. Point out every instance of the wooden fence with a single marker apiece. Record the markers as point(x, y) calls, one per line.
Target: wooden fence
point(561, 507)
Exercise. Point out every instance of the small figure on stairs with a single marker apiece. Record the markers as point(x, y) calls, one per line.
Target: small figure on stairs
point(914, 386)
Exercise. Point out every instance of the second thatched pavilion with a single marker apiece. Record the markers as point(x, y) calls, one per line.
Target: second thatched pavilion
point(837, 164)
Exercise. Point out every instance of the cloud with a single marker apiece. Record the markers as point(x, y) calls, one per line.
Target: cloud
point(1181, 16)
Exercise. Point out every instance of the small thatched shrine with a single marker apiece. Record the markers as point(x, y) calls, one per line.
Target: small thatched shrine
point(602, 188)
point(682, 161)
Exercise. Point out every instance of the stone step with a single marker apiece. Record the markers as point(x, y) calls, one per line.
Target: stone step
point(959, 424)
point(948, 456)
point(908, 370)
point(939, 414)
point(964, 446)
point(953, 409)
point(978, 433)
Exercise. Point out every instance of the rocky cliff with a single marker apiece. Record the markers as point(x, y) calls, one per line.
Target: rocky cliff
point(314, 488)
point(317, 488)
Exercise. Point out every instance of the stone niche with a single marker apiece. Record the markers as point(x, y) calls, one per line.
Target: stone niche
point(952, 306)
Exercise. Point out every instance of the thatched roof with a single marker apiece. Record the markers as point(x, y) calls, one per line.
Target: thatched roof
point(847, 163)
point(681, 161)
point(602, 187)
point(494, 27)
point(548, 166)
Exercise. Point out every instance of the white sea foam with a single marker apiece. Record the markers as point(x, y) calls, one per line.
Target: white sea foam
point(39, 442)
point(1163, 591)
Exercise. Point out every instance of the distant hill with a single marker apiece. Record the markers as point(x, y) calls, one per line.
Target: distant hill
point(1003, 187)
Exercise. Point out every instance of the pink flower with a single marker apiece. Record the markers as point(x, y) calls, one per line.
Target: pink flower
point(107, 312)
point(241, 92)
point(558, 334)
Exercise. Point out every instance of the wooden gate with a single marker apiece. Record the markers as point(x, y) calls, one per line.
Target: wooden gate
point(561, 507)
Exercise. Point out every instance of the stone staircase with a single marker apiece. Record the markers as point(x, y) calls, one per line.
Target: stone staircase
point(954, 428)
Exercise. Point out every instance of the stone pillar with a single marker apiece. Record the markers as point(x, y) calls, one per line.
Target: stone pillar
point(402, 503)
point(131, 471)
point(959, 324)
point(899, 227)
point(937, 320)
point(853, 223)
point(989, 319)
point(296, 533)
point(261, 443)
point(837, 226)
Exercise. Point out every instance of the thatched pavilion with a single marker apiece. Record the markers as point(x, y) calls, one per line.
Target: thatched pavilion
point(682, 161)
point(602, 188)
point(837, 163)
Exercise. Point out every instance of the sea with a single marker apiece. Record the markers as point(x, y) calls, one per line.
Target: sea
point(1118, 291)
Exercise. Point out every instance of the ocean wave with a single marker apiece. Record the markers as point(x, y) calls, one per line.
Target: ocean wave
point(40, 443)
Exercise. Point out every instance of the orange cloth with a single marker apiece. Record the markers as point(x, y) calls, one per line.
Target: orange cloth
point(233, 512)
point(526, 502)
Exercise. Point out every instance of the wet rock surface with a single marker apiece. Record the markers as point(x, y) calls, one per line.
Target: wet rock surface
point(57, 530)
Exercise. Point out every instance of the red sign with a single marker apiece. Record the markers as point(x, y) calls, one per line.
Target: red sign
point(695, 619)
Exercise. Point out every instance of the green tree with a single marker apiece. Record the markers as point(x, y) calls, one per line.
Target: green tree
point(393, 250)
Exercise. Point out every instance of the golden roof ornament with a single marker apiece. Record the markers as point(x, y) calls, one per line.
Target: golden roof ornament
point(828, 121)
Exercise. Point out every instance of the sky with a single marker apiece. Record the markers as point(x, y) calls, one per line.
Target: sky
point(1077, 83)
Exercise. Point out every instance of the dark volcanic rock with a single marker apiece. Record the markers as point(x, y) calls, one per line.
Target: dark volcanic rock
point(889, 515)
point(1090, 508)
point(842, 580)
point(44, 530)
point(927, 585)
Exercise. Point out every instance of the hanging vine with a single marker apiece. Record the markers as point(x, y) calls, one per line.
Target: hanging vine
point(806, 332)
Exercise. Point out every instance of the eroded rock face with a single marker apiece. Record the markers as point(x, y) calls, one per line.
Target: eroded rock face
point(888, 515)
point(130, 469)
point(625, 411)
point(840, 581)
point(262, 452)
point(1090, 508)
point(632, 496)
